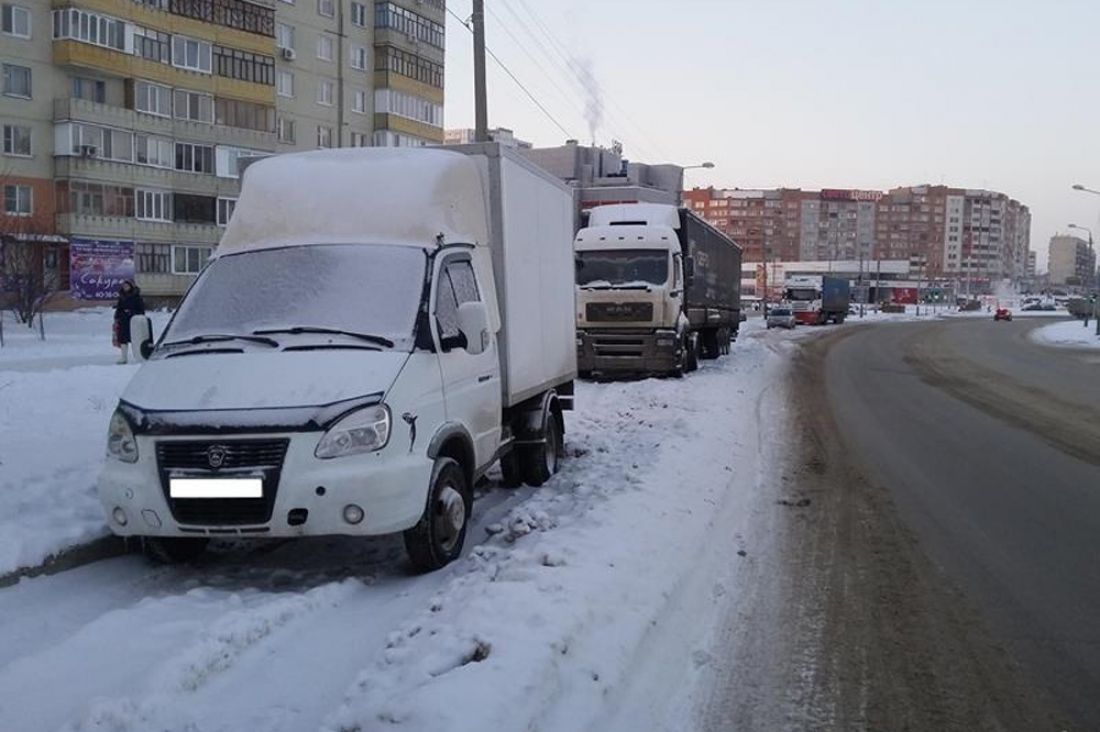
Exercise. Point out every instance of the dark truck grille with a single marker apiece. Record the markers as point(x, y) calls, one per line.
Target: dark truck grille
point(222, 459)
point(619, 312)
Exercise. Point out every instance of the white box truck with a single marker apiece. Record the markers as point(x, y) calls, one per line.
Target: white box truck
point(375, 330)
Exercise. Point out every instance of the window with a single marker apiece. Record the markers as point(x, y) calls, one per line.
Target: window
point(245, 115)
point(391, 101)
point(152, 99)
point(153, 258)
point(360, 139)
point(17, 140)
point(225, 210)
point(226, 158)
point(92, 90)
point(457, 285)
point(324, 93)
point(284, 84)
point(234, 64)
point(194, 158)
point(324, 136)
point(358, 57)
point(284, 130)
point(152, 45)
point(194, 209)
point(191, 54)
point(325, 47)
point(16, 20)
point(155, 151)
point(391, 58)
point(284, 35)
point(358, 14)
point(95, 199)
point(240, 14)
point(87, 27)
point(85, 140)
point(17, 81)
point(391, 16)
point(18, 200)
point(325, 8)
point(359, 102)
point(153, 205)
point(189, 260)
point(193, 106)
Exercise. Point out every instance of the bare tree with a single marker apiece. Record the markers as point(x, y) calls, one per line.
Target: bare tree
point(24, 286)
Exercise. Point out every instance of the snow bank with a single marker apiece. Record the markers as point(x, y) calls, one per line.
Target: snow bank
point(542, 622)
point(1068, 333)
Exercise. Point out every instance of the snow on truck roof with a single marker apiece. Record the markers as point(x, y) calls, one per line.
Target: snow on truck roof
point(647, 214)
point(625, 236)
point(358, 195)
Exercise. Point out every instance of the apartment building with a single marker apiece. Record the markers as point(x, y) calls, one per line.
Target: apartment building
point(943, 231)
point(503, 135)
point(125, 121)
point(1072, 261)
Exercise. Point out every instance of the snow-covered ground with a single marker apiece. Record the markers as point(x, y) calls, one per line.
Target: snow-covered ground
point(586, 603)
point(1068, 333)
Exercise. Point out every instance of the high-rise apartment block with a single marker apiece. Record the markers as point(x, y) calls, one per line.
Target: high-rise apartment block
point(124, 121)
point(944, 231)
point(1072, 261)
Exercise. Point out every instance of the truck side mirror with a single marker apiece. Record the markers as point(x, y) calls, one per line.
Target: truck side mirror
point(141, 336)
point(473, 322)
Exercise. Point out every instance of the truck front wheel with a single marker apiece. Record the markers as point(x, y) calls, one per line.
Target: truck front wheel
point(437, 538)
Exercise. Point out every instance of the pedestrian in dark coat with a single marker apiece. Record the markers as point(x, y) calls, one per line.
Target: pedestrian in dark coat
point(129, 304)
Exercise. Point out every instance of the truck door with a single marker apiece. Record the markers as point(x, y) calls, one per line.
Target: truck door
point(471, 383)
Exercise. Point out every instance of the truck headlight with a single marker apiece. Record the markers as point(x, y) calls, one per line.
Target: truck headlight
point(120, 439)
point(364, 430)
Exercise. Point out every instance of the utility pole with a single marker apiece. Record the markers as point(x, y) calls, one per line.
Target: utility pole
point(878, 285)
point(862, 292)
point(764, 300)
point(481, 106)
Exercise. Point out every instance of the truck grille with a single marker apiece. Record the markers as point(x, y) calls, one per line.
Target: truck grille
point(619, 312)
point(222, 458)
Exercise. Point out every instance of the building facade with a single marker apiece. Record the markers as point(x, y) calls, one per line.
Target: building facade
point(1071, 262)
point(503, 135)
point(982, 235)
point(125, 121)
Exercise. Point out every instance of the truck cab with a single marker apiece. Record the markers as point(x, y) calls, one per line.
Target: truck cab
point(630, 289)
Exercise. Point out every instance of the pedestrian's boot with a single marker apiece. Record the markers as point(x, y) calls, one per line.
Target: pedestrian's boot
point(122, 355)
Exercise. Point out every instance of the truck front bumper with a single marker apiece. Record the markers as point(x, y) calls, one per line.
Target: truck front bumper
point(623, 352)
point(304, 496)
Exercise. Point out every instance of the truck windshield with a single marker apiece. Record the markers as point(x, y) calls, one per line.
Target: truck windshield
point(622, 267)
point(803, 294)
point(358, 288)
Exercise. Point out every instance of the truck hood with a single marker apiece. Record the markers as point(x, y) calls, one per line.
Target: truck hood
point(261, 380)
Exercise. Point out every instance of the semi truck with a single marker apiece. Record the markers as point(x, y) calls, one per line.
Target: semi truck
point(658, 288)
point(375, 330)
point(817, 299)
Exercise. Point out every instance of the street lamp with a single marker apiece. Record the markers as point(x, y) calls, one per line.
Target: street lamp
point(708, 165)
point(1092, 275)
point(1079, 187)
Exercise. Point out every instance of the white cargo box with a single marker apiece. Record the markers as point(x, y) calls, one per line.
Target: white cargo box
point(531, 239)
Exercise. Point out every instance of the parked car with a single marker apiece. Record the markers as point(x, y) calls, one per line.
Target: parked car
point(1002, 314)
point(781, 316)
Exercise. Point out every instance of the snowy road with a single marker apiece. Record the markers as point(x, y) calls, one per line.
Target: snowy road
point(588, 603)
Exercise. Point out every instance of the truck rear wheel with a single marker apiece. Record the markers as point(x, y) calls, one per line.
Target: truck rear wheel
point(437, 538)
point(710, 345)
point(541, 461)
point(691, 348)
point(510, 469)
point(173, 549)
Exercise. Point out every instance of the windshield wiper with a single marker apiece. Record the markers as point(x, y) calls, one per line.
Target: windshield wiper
point(299, 329)
point(221, 338)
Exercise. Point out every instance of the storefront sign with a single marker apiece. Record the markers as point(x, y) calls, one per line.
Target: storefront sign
point(97, 267)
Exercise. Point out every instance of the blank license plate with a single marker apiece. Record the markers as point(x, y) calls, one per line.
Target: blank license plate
point(216, 488)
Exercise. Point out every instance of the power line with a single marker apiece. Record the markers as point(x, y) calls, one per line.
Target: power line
point(513, 77)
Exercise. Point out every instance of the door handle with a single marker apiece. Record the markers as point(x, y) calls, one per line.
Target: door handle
point(483, 379)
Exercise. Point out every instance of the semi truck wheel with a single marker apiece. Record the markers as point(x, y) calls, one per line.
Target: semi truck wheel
point(692, 350)
point(709, 338)
point(437, 538)
point(173, 550)
point(540, 461)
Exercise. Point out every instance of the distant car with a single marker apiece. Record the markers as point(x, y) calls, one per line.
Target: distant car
point(780, 317)
point(1002, 314)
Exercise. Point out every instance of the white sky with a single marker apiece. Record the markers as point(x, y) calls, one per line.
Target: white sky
point(846, 94)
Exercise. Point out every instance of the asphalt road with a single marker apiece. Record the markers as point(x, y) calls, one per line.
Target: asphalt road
point(989, 446)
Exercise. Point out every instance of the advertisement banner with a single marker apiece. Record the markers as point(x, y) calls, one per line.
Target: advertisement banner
point(98, 266)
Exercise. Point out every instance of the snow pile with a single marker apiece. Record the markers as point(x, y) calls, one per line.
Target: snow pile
point(543, 622)
point(1071, 333)
point(75, 338)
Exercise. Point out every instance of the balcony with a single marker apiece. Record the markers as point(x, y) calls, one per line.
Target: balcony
point(127, 228)
point(143, 176)
point(81, 110)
